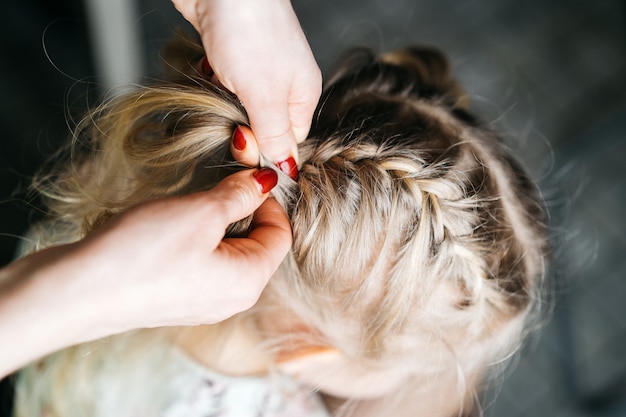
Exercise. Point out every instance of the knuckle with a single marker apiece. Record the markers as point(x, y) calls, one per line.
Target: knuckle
point(232, 199)
point(242, 192)
point(274, 141)
point(237, 193)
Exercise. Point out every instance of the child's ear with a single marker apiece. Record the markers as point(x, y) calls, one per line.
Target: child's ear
point(310, 364)
point(303, 356)
point(332, 373)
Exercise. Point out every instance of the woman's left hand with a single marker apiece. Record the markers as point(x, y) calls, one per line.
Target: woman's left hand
point(258, 51)
point(162, 263)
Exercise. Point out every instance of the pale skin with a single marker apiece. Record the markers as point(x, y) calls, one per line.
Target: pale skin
point(161, 263)
point(259, 52)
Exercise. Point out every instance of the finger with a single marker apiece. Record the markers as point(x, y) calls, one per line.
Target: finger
point(301, 131)
point(240, 194)
point(302, 103)
point(266, 245)
point(244, 148)
point(270, 122)
point(270, 215)
point(283, 145)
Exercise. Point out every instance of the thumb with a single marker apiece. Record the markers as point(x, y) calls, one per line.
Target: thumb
point(303, 98)
point(241, 193)
point(271, 124)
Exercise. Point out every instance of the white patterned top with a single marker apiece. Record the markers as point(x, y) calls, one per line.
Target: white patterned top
point(200, 392)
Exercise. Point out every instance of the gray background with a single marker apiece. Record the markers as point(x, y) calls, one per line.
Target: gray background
point(552, 74)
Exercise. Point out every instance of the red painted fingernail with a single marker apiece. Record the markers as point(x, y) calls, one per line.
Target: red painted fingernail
point(239, 140)
point(289, 167)
point(267, 179)
point(206, 67)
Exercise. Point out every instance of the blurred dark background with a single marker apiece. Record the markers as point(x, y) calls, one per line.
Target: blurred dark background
point(551, 73)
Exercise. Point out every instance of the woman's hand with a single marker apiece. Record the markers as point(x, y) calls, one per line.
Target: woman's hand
point(177, 267)
point(161, 263)
point(258, 51)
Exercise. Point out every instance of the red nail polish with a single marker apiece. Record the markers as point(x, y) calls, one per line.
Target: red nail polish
point(239, 140)
point(289, 167)
point(206, 67)
point(267, 179)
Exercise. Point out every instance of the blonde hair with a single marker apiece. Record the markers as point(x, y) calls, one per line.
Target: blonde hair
point(413, 224)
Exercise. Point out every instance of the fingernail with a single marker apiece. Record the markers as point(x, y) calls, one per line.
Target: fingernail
point(267, 179)
point(205, 67)
point(239, 140)
point(289, 167)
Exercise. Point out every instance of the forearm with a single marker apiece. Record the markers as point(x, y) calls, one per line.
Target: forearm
point(43, 307)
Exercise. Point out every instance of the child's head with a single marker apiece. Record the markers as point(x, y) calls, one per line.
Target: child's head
point(419, 242)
